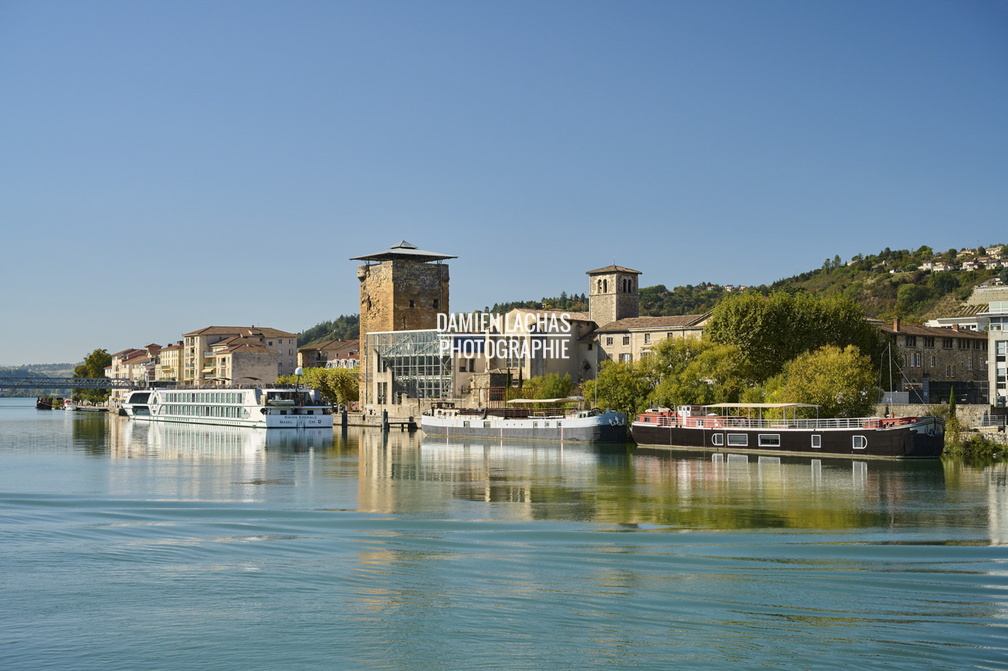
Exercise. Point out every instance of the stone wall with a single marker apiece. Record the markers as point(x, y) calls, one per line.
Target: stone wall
point(985, 295)
point(971, 416)
point(613, 302)
point(397, 295)
point(401, 295)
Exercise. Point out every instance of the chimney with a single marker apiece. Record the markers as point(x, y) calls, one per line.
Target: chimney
point(895, 325)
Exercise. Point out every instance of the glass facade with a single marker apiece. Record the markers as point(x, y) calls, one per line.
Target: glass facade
point(419, 368)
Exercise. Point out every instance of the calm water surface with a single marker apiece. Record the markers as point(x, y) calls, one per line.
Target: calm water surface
point(132, 546)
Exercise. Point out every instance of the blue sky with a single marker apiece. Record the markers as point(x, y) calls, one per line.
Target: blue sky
point(166, 166)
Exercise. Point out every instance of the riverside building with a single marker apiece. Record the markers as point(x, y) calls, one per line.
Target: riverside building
point(415, 353)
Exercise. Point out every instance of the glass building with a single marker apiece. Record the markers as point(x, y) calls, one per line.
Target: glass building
point(418, 367)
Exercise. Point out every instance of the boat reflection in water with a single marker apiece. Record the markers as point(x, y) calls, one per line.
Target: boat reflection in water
point(222, 442)
point(736, 490)
point(646, 488)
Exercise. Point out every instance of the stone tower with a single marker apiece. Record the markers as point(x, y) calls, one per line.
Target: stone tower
point(400, 290)
point(612, 294)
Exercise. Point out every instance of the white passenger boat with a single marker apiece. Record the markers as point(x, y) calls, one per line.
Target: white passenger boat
point(267, 408)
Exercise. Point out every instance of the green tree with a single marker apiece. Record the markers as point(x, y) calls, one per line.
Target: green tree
point(690, 370)
point(841, 381)
point(910, 296)
point(555, 386)
point(94, 366)
point(621, 386)
point(770, 331)
point(942, 283)
point(344, 327)
point(337, 386)
point(546, 386)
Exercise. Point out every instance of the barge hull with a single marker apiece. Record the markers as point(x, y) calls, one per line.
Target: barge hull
point(898, 442)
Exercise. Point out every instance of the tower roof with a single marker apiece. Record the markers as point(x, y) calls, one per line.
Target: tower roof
point(404, 250)
point(613, 269)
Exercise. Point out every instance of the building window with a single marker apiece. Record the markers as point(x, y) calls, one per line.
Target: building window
point(911, 341)
point(434, 304)
point(932, 361)
point(626, 340)
point(608, 341)
point(412, 304)
point(947, 343)
point(647, 338)
point(626, 357)
point(970, 363)
point(929, 342)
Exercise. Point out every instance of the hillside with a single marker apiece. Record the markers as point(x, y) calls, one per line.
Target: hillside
point(912, 285)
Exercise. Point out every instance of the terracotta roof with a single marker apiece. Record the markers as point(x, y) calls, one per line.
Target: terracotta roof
point(229, 343)
point(242, 330)
point(576, 316)
point(125, 351)
point(935, 331)
point(613, 269)
point(337, 346)
point(248, 347)
point(643, 323)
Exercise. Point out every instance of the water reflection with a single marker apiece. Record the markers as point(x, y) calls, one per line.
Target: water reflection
point(629, 488)
point(749, 491)
point(399, 473)
point(158, 439)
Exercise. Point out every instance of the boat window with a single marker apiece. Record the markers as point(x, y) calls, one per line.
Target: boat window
point(738, 439)
point(486, 425)
point(860, 442)
point(769, 440)
point(465, 423)
point(717, 439)
point(816, 441)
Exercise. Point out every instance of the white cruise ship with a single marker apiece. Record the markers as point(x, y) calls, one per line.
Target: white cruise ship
point(267, 408)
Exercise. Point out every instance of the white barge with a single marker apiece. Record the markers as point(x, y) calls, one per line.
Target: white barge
point(574, 426)
point(265, 408)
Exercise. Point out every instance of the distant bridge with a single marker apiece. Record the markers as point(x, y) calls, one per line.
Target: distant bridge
point(20, 382)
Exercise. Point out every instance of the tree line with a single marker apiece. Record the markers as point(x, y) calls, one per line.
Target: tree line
point(781, 348)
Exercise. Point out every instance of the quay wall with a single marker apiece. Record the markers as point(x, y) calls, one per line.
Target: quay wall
point(972, 416)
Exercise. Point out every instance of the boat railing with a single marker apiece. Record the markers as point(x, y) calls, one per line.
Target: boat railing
point(730, 422)
point(994, 421)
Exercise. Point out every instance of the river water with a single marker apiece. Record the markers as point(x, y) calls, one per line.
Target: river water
point(135, 546)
